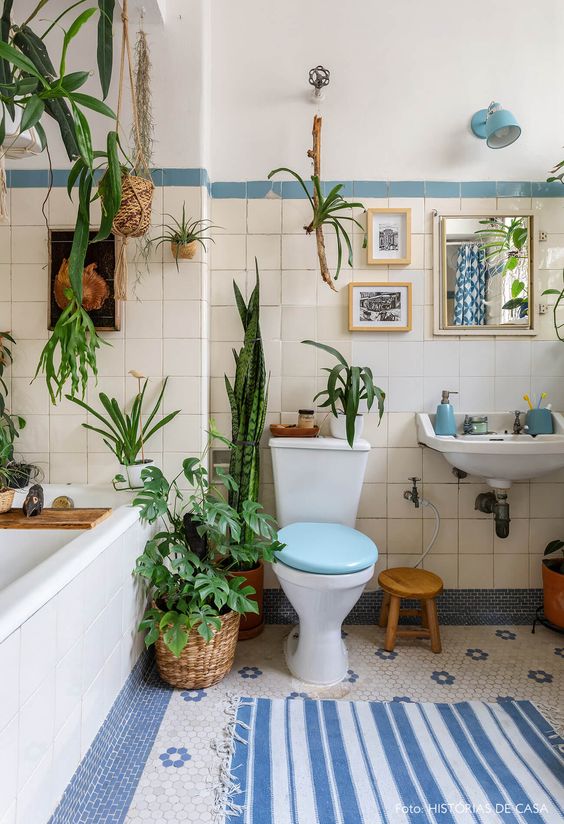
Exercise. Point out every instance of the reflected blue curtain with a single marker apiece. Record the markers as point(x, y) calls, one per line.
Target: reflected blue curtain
point(470, 286)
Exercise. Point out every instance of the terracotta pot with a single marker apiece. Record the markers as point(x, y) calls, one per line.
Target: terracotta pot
point(184, 251)
point(252, 624)
point(553, 586)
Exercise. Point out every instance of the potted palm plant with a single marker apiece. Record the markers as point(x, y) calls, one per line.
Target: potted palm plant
point(553, 583)
point(126, 433)
point(196, 601)
point(347, 387)
point(184, 236)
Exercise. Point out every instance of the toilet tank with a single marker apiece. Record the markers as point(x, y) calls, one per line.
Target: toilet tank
point(318, 479)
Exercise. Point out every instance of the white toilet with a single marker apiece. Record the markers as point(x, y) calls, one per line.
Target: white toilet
point(326, 562)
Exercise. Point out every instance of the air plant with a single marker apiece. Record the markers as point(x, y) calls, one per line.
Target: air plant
point(248, 397)
point(326, 210)
point(183, 235)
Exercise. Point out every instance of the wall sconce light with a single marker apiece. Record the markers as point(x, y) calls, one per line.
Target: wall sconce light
point(496, 125)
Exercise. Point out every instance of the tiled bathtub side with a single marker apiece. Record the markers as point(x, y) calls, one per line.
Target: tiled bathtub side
point(61, 673)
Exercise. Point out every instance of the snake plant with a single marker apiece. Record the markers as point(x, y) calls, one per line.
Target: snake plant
point(248, 399)
point(32, 87)
point(347, 386)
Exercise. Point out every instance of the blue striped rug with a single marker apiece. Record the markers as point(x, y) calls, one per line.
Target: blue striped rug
point(338, 762)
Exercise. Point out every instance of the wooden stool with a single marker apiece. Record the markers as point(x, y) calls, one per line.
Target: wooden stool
point(420, 585)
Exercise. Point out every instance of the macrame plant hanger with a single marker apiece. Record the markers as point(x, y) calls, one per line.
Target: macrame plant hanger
point(134, 215)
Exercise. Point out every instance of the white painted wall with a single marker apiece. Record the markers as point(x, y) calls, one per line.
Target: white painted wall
point(406, 77)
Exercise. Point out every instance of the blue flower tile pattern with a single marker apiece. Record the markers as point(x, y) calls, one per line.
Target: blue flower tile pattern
point(385, 655)
point(298, 695)
point(506, 634)
point(193, 695)
point(443, 678)
point(250, 672)
point(477, 654)
point(175, 757)
point(351, 676)
point(540, 676)
point(559, 651)
point(402, 699)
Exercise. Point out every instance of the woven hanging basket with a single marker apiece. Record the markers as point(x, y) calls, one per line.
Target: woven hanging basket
point(183, 251)
point(200, 665)
point(6, 501)
point(134, 214)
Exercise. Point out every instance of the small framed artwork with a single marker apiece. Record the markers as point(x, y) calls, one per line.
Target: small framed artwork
point(97, 280)
point(389, 236)
point(380, 307)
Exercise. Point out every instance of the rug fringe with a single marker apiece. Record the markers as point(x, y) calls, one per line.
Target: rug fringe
point(555, 718)
point(227, 786)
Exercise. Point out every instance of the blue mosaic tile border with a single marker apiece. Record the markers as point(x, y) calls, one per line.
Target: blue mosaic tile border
point(101, 790)
point(252, 189)
point(457, 607)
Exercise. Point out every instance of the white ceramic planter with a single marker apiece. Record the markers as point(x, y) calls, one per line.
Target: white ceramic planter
point(133, 473)
point(338, 426)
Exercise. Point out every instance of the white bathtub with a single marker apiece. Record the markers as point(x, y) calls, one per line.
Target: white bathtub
point(69, 611)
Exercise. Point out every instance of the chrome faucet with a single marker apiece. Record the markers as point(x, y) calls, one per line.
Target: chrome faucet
point(518, 427)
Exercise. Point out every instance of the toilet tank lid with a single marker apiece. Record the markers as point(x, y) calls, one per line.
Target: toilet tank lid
point(318, 443)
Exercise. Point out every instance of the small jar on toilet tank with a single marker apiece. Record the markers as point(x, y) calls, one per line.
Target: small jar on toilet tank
point(306, 418)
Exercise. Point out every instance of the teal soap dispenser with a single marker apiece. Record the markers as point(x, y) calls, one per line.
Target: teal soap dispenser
point(445, 423)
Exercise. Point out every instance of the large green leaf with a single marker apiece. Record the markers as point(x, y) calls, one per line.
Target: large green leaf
point(105, 43)
point(5, 25)
point(60, 112)
point(89, 102)
point(81, 235)
point(34, 48)
point(32, 113)
point(73, 30)
point(19, 60)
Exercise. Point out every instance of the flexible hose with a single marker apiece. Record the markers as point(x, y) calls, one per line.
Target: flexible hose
point(425, 502)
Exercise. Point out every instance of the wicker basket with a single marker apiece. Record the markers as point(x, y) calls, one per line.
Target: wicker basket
point(200, 665)
point(183, 251)
point(6, 501)
point(134, 214)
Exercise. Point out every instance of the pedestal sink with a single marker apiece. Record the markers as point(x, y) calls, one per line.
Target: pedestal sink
point(499, 457)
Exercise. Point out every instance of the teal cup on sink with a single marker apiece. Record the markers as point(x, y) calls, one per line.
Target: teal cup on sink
point(539, 422)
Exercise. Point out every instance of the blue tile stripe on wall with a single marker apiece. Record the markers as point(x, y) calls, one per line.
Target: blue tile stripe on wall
point(291, 189)
point(103, 786)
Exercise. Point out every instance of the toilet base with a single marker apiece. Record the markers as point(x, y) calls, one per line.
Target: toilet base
point(307, 668)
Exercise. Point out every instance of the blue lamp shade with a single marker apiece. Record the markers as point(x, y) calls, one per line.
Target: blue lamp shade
point(497, 126)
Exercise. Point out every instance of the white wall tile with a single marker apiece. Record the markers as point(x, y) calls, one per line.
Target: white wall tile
point(9, 683)
point(8, 765)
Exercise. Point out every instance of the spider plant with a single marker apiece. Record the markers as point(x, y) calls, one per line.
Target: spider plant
point(326, 211)
point(347, 386)
point(33, 91)
point(125, 433)
point(184, 233)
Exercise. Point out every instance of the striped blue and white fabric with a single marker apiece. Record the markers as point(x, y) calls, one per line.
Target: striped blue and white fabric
point(339, 762)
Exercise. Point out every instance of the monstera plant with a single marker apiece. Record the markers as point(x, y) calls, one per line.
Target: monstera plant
point(34, 89)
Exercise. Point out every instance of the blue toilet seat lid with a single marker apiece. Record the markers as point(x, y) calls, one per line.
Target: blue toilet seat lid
point(326, 549)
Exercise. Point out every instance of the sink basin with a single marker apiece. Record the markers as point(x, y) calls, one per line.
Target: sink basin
point(499, 457)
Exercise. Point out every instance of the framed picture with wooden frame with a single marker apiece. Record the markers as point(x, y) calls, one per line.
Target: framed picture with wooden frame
point(380, 307)
point(389, 237)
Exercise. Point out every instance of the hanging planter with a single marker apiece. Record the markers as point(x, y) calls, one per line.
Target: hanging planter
point(183, 251)
point(133, 217)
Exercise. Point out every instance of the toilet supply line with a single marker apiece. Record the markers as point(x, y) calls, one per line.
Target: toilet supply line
point(413, 496)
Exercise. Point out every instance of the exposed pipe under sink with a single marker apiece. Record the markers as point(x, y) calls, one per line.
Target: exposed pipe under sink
point(496, 503)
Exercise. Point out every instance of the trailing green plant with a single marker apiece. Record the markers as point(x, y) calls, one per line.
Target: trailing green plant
point(506, 245)
point(189, 571)
point(10, 425)
point(248, 398)
point(125, 433)
point(180, 233)
point(32, 86)
point(347, 387)
point(550, 549)
point(555, 309)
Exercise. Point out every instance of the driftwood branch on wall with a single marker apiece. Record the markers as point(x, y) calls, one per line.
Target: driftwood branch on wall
point(315, 154)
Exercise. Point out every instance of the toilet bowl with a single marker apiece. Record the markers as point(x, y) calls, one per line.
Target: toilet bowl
point(326, 563)
point(315, 651)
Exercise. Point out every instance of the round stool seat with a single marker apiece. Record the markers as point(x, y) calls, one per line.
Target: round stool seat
point(326, 548)
point(406, 582)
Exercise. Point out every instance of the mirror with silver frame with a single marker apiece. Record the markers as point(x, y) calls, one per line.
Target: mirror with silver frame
point(484, 274)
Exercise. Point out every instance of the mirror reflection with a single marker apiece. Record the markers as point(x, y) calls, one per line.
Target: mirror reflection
point(485, 271)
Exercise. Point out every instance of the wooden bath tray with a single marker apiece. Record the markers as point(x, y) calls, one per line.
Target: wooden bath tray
point(79, 518)
point(279, 430)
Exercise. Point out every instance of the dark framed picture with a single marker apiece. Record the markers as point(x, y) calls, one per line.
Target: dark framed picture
point(97, 280)
point(380, 307)
point(389, 236)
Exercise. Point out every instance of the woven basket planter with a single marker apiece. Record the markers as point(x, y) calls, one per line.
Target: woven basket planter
point(200, 665)
point(183, 251)
point(134, 214)
point(6, 501)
